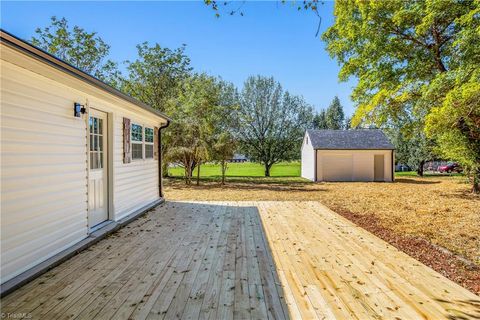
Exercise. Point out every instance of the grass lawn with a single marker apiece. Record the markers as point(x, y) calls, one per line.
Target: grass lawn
point(438, 208)
point(427, 174)
point(247, 169)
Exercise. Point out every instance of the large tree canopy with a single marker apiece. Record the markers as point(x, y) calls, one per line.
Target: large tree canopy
point(157, 75)
point(414, 58)
point(85, 50)
point(271, 122)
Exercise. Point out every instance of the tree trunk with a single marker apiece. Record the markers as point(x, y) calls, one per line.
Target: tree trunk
point(165, 169)
point(420, 168)
point(476, 181)
point(224, 169)
point(267, 170)
point(198, 173)
point(186, 174)
point(193, 165)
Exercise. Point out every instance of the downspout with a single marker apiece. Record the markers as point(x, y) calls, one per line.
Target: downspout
point(160, 184)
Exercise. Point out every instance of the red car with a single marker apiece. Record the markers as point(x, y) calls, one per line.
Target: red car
point(450, 167)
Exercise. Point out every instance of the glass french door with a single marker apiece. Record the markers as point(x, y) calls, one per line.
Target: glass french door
point(98, 173)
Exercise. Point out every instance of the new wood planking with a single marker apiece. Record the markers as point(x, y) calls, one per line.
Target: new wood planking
point(239, 260)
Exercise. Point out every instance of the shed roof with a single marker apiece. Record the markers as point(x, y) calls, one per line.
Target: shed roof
point(39, 54)
point(358, 139)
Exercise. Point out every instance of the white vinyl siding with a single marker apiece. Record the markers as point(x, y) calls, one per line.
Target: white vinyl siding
point(43, 170)
point(135, 183)
point(44, 166)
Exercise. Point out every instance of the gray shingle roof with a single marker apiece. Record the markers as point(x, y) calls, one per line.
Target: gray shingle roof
point(349, 139)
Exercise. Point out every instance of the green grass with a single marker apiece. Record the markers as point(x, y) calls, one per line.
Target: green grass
point(436, 174)
point(406, 174)
point(247, 169)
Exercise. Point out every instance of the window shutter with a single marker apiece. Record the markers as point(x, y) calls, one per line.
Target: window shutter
point(155, 143)
point(127, 153)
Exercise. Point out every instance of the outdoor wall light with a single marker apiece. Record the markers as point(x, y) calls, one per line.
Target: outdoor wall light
point(78, 109)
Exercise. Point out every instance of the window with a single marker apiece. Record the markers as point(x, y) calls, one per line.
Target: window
point(149, 143)
point(96, 143)
point(137, 141)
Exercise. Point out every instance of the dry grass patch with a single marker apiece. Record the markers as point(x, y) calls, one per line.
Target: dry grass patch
point(438, 209)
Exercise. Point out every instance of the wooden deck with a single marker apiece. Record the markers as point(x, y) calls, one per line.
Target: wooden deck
point(214, 261)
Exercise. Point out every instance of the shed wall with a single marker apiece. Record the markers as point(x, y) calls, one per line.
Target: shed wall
point(308, 159)
point(362, 164)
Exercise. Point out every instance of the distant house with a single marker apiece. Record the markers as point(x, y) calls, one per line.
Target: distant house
point(347, 155)
point(237, 157)
point(78, 157)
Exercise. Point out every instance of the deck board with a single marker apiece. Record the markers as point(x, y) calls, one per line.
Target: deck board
point(240, 260)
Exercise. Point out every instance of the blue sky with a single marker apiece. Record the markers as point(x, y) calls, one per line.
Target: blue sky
point(271, 38)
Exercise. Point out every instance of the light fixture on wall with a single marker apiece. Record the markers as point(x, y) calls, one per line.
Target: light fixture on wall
point(78, 109)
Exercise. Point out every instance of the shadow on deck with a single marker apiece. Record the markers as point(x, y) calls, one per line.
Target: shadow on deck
point(181, 260)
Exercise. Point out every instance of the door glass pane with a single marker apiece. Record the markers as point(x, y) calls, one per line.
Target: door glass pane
point(93, 160)
point(100, 160)
point(97, 142)
point(96, 127)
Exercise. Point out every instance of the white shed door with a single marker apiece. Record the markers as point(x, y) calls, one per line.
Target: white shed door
point(98, 175)
point(337, 167)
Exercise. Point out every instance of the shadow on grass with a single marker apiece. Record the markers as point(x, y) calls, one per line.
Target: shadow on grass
point(415, 181)
point(290, 180)
point(282, 184)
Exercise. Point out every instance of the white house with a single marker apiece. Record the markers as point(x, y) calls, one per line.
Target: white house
point(77, 157)
point(347, 155)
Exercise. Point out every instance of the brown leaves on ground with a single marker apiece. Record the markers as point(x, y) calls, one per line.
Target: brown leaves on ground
point(415, 214)
point(454, 267)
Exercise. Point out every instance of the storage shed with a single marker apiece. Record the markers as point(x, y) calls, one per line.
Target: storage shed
point(347, 155)
point(77, 156)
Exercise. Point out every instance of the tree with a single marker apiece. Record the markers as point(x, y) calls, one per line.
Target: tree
point(334, 116)
point(192, 131)
point(456, 126)
point(156, 77)
point(224, 149)
point(271, 122)
point(84, 50)
point(412, 146)
point(320, 120)
point(420, 56)
point(348, 123)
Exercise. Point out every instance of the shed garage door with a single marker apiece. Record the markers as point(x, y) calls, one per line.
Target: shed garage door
point(337, 167)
